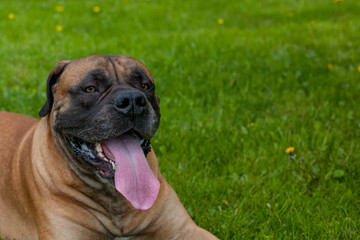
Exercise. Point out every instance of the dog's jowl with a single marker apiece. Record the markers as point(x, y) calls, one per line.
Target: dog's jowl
point(86, 170)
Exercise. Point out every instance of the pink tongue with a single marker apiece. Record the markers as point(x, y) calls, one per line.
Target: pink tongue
point(133, 176)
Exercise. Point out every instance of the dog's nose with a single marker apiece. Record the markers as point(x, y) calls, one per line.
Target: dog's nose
point(131, 102)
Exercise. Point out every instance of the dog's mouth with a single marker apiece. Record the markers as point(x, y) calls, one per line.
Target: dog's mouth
point(98, 154)
point(122, 161)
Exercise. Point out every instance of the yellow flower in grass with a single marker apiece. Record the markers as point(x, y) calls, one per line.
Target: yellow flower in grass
point(11, 16)
point(220, 21)
point(290, 150)
point(59, 28)
point(330, 66)
point(96, 9)
point(252, 124)
point(359, 68)
point(59, 9)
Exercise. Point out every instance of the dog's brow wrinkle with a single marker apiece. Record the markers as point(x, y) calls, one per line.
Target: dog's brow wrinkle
point(116, 75)
point(138, 72)
point(98, 74)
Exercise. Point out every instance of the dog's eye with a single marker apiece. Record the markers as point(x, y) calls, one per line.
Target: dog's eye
point(90, 89)
point(145, 86)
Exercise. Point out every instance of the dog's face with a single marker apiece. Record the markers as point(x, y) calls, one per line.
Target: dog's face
point(99, 108)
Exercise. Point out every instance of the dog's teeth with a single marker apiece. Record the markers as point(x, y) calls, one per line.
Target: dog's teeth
point(113, 165)
point(101, 155)
point(98, 148)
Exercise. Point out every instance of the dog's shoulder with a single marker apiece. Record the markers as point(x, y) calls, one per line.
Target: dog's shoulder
point(14, 125)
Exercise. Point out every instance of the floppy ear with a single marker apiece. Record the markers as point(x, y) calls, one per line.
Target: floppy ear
point(52, 79)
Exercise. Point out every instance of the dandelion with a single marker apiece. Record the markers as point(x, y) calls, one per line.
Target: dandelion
point(11, 16)
point(330, 66)
point(359, 68)
point(59, 28)
point(220, 21)
point(96, 9)
point(312, 23)
point(290, 150)
point(59, 9)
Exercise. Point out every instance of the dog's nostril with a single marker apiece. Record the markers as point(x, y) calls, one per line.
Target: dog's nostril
point(140, 101)
point(123, 103)
point(130, 103)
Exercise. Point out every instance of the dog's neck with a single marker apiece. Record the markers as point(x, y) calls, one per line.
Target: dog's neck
point(107, 205)
point(107, 211)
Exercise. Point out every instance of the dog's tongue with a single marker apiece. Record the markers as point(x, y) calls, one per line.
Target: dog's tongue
point(133, 176)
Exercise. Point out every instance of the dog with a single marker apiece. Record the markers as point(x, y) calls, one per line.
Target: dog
point(86, 170)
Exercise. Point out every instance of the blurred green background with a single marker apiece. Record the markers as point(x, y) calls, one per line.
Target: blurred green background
point(240, 82)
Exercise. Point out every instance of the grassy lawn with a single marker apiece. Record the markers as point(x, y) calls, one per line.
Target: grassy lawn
point(240, 81)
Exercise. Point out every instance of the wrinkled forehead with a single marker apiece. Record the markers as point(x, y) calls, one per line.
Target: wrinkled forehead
point(117, 67)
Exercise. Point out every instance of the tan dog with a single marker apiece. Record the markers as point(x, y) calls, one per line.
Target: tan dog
point(81, 172)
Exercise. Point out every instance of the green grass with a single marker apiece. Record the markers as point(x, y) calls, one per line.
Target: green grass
point(233, 96)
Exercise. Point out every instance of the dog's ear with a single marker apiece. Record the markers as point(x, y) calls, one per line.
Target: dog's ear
point(52, 79)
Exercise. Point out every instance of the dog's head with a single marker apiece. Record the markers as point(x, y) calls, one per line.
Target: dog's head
point(103, 111)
